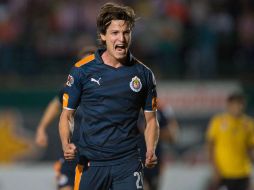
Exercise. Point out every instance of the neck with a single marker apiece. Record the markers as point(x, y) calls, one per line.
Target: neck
point(111, 61)
point(235, 115)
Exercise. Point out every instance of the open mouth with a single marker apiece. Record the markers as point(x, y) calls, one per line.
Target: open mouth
point(120, 48)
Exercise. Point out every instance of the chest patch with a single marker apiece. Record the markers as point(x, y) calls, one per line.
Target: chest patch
point(135, 84)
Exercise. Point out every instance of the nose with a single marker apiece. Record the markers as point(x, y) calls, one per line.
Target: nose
point(121, 37)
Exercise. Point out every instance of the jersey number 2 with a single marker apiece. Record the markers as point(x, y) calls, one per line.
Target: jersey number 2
point(139, 182)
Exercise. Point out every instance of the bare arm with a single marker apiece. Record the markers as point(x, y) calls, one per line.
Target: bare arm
point(151, 137)
point(251, 153)
point(69, 149)
point(216, 173)
point(169, 133)
point(51, 112)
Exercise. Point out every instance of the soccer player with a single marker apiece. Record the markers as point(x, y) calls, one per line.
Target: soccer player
point(110, 88)
point(230, 139)
point(65, 170)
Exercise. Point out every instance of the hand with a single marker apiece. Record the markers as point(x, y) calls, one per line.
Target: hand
point(41, 138)
point(216, 178)
point(151, 159)
point(69, 151)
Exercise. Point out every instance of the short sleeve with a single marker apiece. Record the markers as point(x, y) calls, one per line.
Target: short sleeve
point(151, 95)
point(251, 134)
point(72, 89)
point(211, 131)
point(60, 95)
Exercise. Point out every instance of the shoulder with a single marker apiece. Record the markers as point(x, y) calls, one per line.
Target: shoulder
point(141, 65)
point(80, 67)
point(85, 61)
point(248, 119)
point(145, 70)
point(214, 125)
point(218, 117)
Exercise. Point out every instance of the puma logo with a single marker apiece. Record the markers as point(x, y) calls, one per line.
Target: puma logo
point(97, 81)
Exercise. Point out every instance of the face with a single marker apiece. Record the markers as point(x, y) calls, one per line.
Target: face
point(236, 108)
point(117, 39)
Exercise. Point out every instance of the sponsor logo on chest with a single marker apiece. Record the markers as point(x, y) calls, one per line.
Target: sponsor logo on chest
point(96, 80)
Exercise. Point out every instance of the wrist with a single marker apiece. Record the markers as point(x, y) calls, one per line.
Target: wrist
point(150, 149)
point(41, 129)
point(64, 145)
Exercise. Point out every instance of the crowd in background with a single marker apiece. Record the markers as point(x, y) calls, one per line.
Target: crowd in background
point(179, 39)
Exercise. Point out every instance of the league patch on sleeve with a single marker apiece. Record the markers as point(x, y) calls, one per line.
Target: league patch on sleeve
point(70, 81)
point(135, 84)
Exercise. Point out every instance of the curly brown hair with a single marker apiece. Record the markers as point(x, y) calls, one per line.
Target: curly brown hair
point(113, 11)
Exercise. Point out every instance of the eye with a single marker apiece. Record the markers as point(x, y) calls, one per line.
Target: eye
point(127, 32)
point(114, 32)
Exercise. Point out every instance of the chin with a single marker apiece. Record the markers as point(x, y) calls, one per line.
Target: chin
point(121, 57)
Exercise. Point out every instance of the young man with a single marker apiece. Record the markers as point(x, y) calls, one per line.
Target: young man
point(110, 87)
point(230, 139)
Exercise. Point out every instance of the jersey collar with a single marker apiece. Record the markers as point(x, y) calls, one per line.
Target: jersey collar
point(100, 51)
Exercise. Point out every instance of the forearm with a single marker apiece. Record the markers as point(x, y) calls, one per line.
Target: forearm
point(50, 114)
point(69, 149)
point(64, 129)
point(211, 157)
point(151, 135)
point(251, 154)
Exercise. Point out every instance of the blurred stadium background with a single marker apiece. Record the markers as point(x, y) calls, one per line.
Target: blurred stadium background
point(199, 50)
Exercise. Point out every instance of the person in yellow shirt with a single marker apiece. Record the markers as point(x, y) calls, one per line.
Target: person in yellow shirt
point(230, 138)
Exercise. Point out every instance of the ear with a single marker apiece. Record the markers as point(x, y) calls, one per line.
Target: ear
point(103, 37)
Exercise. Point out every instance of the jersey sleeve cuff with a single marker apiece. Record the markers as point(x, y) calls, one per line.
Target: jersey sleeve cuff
point(66, 108)
point(150, 110)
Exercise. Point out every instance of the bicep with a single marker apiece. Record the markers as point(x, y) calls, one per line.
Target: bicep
point(56, 104)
